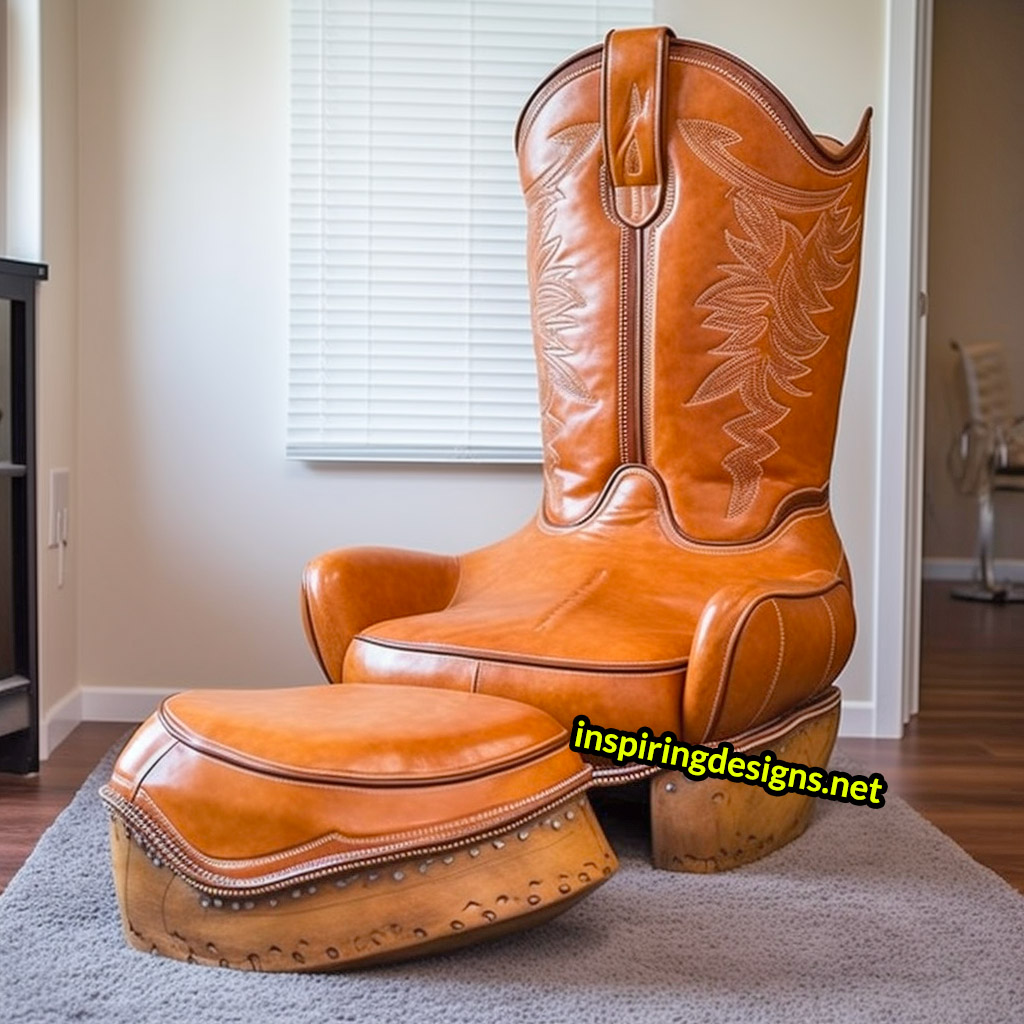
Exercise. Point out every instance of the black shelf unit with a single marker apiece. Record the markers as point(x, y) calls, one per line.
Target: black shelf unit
point(19, 680)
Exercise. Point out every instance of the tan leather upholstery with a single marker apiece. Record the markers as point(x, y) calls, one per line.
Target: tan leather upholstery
point(320, 828)
point(693, 258)
point(249, 788)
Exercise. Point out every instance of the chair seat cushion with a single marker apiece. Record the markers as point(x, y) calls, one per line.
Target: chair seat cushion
point(596, 620)
point(540, 647)
point(555, 625)
point(242, 798)
point(370, 737)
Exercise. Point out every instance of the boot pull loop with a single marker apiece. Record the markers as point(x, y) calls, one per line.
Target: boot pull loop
point(633, 72)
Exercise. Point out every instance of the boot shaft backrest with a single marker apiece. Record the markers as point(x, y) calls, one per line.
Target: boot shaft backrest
point(693, 255)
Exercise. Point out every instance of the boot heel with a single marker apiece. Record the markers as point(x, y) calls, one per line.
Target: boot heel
point(716, 824)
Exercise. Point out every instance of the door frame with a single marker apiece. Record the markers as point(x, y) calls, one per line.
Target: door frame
point(900, 451)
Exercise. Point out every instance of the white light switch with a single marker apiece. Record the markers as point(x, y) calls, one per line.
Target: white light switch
point(60, 494)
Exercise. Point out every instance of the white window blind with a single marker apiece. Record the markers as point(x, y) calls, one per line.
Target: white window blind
point(409, 321)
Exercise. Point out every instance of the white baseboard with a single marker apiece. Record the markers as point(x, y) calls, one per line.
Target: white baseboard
point(857, 719)
point(966, 569)
point(134, 703)
point(121, 703)
point(96, 704)
point(56, 725)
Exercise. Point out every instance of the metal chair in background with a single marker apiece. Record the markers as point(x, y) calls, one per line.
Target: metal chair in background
point(987, 454)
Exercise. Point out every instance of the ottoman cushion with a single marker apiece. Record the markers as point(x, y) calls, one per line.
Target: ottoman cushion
point(369, 811)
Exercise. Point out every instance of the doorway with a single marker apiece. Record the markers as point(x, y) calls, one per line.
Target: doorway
point(976, 264)
point(972, 653)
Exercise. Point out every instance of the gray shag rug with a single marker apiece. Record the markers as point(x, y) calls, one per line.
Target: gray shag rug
point(871, 916)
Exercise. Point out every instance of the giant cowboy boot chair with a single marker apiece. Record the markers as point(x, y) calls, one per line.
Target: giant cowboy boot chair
point(693, 256)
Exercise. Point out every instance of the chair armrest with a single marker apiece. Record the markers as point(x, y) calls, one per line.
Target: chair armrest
point(763, 647)
point(347, 590)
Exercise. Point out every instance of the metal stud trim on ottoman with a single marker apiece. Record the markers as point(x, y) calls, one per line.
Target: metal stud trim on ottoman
point(317, 828)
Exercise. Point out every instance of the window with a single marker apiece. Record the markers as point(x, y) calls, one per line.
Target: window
point(409, 323)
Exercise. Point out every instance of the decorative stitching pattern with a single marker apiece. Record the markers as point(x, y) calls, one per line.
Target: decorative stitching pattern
point(536, 104)
point(556, 301)
point(604, 191)
point(767, 300)
point(623, 344)
point(573, 600)
point(555, 297)
point(555, 425)
point(832, 640)
point(592, 63)
point(633, 161)
point(778, 660)
point(188, 863)
point(746, 87)
point(632, 200)
point(647, 325)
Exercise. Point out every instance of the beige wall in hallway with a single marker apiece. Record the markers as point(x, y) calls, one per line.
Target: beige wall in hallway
point(976, 240)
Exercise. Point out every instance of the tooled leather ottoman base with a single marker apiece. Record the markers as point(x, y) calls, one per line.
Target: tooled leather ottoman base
point(319, 828)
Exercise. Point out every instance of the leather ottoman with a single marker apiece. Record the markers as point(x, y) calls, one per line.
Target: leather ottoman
point(316, 828)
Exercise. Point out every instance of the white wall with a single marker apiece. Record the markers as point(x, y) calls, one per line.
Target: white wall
point(192, 527)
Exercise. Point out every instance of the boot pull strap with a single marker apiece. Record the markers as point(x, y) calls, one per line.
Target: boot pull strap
point(633, 72)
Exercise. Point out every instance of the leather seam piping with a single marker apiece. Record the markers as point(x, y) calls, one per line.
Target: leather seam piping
point(669, 529)
point(148, 770)
point(456, 827)
point(501, 657)
point(625, 280)
point(740, 74)
point(832, 640)
point(335, 786)
point(182, 734)
point(778, 663)
point(515, 813)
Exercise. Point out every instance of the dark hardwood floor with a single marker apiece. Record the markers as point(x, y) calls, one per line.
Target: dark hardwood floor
point(28, 804)
point(961, 762)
